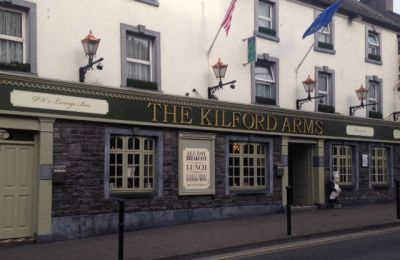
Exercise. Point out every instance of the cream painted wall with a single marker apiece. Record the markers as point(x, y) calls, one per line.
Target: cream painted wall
point(187, 29)
point(348, 62)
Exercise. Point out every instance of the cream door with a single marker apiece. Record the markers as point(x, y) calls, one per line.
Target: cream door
point(16, 182)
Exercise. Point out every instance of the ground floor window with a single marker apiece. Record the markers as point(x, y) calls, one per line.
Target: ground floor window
point(132, 164)
point(342, 162)
point(379, 165)
point(247, 164)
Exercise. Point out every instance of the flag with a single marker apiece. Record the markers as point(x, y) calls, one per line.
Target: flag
point(323, 19)
point(251, 50)
point(226, 23)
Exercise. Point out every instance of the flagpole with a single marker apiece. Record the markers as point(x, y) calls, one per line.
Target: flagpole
point(316, 40)
point(215, 38)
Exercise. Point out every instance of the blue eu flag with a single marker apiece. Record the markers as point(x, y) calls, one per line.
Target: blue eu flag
point(323, 19)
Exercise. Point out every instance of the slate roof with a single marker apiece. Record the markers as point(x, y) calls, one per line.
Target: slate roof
point(354, 9)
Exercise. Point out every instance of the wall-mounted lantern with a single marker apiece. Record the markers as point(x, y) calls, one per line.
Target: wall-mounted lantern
point(219, 70)
point(309, 86)
point(362, 94)
point(90, 44)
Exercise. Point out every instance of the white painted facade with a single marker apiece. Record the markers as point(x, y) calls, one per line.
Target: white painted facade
point(186, 31)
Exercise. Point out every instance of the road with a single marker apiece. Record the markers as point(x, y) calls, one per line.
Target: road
point(380, 244)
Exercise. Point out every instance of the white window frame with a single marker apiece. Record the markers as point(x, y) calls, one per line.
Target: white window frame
point(143, 62)
point(273, 20)
point(375, 45)
point(330, 98)
point(323, 92)
point(382, 168)
point(155, 53)
point(23, 32)
point(326, 36)
point(266, 18)
point(326, 31)
point(273, 84)
point(371, 99)
point(378, 94)
point(266, 83)
point(125, 152)
point(256, 159)
point(344, 163)
point(158, 138)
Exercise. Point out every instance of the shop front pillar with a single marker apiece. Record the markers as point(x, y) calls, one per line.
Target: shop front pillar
point(45, 179)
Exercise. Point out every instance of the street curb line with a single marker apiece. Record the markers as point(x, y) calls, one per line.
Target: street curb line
point(295, 238)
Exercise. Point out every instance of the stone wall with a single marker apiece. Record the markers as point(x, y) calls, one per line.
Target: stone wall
point(362, 191)
point(80, 147)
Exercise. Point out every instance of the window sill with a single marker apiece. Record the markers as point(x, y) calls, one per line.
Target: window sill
point(265, 101)
point(262, 191)
point(150, 2)
point(268, 37)
point(323, 50)
point(128, 194)
point(373, 61)
point(141, 90)
point(347, 186)
point(380, 186)
point(16, 72)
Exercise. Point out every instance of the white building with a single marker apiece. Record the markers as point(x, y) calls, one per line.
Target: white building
point(126, 131)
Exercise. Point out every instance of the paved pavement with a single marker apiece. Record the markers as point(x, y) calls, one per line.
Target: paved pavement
point(214, 236)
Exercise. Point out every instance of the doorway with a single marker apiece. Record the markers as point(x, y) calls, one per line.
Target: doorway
point(300, 173)
point(16, 190)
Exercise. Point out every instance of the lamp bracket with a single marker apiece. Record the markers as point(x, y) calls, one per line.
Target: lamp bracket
point(396, 116)
point(300, 102)
point(84, 69)
point(355, 108)
point(213, 89)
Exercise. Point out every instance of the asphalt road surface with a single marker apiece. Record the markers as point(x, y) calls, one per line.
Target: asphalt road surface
point(380, 244)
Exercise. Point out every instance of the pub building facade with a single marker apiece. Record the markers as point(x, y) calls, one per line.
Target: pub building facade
point(69, 150)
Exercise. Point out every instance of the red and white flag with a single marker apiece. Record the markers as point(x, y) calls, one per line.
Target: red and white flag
point(226, 23)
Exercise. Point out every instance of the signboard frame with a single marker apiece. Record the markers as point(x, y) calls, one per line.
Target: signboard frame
point(196, 164)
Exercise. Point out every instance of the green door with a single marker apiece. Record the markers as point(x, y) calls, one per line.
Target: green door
point(16, 182)
point(300, 172)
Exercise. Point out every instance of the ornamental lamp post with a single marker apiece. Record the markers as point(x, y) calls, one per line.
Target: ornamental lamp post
point(362, 94)
point(219, 69)
point(309, 86)
point(90, 44)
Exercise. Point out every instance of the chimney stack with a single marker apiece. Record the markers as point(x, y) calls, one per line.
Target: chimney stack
point(379, 5)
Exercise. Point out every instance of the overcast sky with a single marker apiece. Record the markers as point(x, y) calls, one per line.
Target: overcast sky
point(396, 6)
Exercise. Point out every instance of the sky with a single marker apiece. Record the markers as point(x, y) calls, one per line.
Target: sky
point(396, 6)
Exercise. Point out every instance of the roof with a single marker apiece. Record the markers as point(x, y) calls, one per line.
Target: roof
point(355, 9)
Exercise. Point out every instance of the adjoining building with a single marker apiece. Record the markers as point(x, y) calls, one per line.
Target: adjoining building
point(70, 150)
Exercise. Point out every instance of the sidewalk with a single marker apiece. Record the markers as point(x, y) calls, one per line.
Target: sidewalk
point(220, 235)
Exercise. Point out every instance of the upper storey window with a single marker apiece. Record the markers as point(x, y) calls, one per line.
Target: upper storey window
point(373, 46)
point(12, 36)
point(267, 19)
point(139, 57)
point(18, 37)
point(140, 61)
point(265, 81)
point(326, 38)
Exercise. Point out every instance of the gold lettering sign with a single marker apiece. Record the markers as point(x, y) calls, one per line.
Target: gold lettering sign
point(207, 117)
